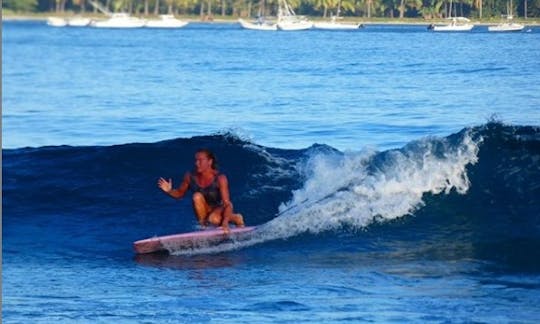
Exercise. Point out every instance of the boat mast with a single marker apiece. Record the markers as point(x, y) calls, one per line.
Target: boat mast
point(100, 7)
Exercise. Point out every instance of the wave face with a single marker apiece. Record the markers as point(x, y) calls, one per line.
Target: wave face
point(471, 194)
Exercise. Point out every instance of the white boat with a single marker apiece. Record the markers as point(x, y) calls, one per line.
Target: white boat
point(259, 24)
point(291, 24)
point(333, 25)
point(457, 24)
point(508, 25)
point(119, 20)
point(288, 20)
point(78, 21)
point(165, 21)
point(56, 22)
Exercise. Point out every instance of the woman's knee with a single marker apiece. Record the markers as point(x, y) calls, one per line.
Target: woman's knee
point(198, 198)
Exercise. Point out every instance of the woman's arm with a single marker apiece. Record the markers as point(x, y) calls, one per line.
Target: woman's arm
point(167, 186)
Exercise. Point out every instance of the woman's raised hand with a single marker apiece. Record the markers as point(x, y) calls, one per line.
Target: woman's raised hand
point(165, 185)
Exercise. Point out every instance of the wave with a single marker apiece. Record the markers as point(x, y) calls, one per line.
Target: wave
point(355, 189)
point(479, 185)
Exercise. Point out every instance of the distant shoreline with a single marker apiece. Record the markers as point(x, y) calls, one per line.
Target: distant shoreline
point(231, 20)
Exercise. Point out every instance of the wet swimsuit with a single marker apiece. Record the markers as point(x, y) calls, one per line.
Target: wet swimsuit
point(211, 193)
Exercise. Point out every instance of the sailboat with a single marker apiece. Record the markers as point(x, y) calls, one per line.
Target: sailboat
point(79, 21)
point(76, 21)
point(116, 20)
point(288, 20)
point(119, 20)
point(260, 23)
point(457, 24)
point(333, 24)
point(56, 22)
point(508, 25)
point(165, 21)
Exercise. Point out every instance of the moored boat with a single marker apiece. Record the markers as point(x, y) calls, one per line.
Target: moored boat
point(288, 20)
point(119, 20)
point(506, 27)
point(457, 24)
point(56, 22)
point(259, 24)
point(79, 21)
point(333, 25)
point(165, 21)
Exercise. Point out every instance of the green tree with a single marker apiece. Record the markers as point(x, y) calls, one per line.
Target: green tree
point(186, 6)
point(20, 5)
point(533, 8)
point(411, 4)
point(432, 9)
point(323, 5)
point(362, 7)
point(386, 8)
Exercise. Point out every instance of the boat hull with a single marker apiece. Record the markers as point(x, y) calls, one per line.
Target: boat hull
point(165, 21)
point(336, 26)
point(506, 28)
point(56, 22)
point(119, 20)
point(79, 22)
point(112, 24)
point(294, 25)
point(257, 26)
point(162, 24)
point(452, 28)
point(457, 24)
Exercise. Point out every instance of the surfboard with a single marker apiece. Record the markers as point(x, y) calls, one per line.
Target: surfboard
point(191, 240)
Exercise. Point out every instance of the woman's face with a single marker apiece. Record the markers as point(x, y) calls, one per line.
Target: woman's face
point(202, 162)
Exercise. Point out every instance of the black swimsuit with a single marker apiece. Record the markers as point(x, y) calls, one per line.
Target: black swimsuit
point(211, 193)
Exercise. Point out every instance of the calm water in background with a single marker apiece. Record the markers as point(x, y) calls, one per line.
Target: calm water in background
point(383, 86)
point(367, 235)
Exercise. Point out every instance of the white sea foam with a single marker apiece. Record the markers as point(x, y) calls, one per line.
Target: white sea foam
point(357, 188)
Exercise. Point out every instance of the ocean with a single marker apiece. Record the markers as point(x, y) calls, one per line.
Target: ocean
point(393, 174)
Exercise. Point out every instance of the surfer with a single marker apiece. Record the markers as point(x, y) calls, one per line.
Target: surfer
point(211, 201)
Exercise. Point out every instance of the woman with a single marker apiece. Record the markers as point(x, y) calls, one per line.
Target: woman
point(211, 201)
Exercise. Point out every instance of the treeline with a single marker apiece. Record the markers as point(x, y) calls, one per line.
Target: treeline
point(208, 9)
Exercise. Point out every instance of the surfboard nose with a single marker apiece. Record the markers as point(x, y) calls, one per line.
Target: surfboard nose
point(148, 246)
point(210, 237)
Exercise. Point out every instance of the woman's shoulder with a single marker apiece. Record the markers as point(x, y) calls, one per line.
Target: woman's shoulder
point(221, 177)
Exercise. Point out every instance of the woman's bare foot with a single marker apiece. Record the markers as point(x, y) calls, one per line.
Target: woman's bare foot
point(238, 220)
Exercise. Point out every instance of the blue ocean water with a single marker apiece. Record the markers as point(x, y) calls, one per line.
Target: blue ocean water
point(394, 174)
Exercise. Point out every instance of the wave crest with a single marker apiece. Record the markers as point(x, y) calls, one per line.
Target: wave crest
point(356, 189)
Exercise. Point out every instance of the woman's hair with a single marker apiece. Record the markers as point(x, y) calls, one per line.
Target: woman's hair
point(210, 155)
